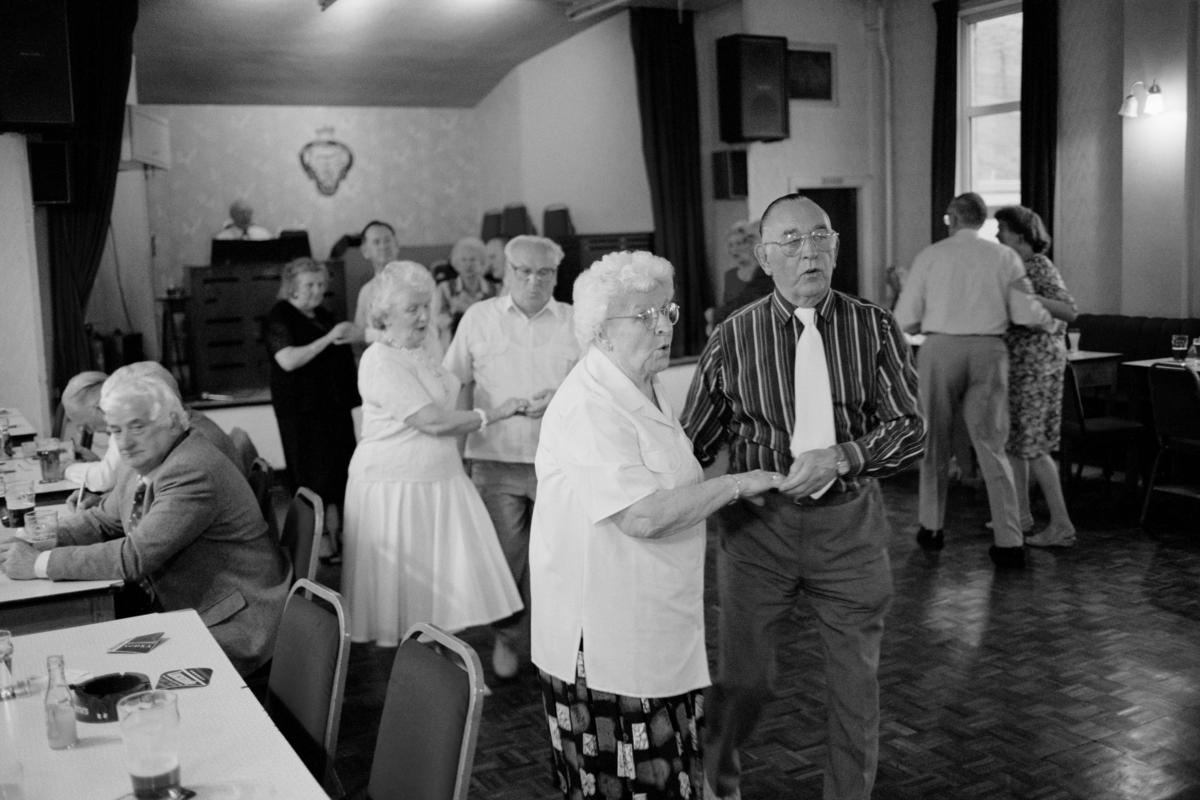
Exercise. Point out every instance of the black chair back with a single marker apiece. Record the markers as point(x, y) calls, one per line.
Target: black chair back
point(261, 476)
point(308, 676)
point(302, 529)
point(1175, 402)
point(1072, 403)
point(426, 742)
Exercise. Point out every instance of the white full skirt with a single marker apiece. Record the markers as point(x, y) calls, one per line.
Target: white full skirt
point(421, 551)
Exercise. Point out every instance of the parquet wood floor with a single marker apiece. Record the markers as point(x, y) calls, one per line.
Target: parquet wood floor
point(1076, 679)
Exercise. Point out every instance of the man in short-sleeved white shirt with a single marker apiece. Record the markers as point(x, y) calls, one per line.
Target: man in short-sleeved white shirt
point(518, 345)
point(379, 246)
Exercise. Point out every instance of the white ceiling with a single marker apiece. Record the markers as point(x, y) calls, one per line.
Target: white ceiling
point(422, 53)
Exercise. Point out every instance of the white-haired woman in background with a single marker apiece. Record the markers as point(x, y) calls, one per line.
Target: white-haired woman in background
point(469, 259)
point(420, 546)
point(616, 553)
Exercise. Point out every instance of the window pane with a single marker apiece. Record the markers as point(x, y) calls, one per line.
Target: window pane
point(996, 158)
point(996, 60)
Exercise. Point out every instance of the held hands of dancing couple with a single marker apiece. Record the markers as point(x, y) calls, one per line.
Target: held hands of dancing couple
point(530, 407)
point(810, 471)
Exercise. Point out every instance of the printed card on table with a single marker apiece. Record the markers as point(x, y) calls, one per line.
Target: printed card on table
point(184, 678)
point(139, 644)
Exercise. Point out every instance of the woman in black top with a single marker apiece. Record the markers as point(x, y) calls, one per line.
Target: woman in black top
point(314, 385)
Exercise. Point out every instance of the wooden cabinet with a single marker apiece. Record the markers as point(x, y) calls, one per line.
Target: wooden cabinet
point(227, 306)
point(581, 250)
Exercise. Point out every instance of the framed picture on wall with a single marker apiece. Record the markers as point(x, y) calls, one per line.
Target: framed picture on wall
point(812, 72)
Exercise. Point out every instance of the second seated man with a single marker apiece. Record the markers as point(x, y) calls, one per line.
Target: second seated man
point(520, 344)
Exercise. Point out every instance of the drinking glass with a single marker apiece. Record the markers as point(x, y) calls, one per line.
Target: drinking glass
point(6, 651)
point(19, 498)
point(150, 728)
point(1179, 346)
point(50, 456)
point(1073, 339)
point(12, 777)
point(41, 528)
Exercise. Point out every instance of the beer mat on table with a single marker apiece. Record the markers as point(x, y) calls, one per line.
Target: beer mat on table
point(139, 644)
point(184, 678)
point(182, 793)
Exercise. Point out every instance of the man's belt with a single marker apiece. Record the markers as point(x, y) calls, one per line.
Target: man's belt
point(843, 490)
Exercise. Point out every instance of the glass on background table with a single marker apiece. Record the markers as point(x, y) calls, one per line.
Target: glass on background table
point(228, 747)
point(19, 429)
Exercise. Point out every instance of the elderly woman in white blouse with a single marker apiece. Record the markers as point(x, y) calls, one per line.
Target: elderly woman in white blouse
point(617, 547)
point(420, 546)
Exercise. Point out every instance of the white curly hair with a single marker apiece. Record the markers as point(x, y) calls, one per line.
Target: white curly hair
point(608, 281)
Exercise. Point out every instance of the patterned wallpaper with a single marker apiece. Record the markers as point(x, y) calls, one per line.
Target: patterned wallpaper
point(416, 168)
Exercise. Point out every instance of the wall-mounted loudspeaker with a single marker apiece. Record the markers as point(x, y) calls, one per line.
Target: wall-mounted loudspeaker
point(50, 172)
point(729, 174)
point(35, 65)
point(752, 88)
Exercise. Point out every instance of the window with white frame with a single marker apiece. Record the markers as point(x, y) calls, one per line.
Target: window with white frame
point(989, 120)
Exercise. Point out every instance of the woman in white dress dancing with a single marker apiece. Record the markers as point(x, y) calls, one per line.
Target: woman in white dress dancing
point(420, 546)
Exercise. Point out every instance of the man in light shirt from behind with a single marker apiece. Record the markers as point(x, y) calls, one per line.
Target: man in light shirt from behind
point(520, 344)
point(963, 292)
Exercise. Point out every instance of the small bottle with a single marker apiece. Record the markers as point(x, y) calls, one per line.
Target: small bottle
point(1192, 359)
point(60, 711)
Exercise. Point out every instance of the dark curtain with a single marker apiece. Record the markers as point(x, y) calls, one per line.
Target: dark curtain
point(945, 115)
point(664, 55)
point(1039, 106)
point(101, 47)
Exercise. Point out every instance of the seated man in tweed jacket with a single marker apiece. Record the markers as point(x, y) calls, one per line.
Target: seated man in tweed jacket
point(181, 521)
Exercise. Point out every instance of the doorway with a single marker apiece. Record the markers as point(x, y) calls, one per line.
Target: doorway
point(841, 204)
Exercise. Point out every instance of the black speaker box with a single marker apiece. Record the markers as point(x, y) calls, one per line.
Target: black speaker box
point(50, 172)
point(752, 88)
point(35, 65)
point(729, 175)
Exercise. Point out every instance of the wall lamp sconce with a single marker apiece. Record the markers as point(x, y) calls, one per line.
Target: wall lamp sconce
point(1154, 101)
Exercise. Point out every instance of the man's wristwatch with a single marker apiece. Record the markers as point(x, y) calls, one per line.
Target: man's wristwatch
point(843, 466)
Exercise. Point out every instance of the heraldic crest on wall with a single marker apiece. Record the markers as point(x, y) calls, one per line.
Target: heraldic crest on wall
point(326, 161)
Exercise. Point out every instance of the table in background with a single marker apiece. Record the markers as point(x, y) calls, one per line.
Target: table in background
point(228, 745)
point(1136, 376)
point(1096, 378)
point(1094, 369)
point(42, 605)
point(19, 429)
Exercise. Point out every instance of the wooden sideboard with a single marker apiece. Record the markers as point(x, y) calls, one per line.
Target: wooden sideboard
point(226, 309)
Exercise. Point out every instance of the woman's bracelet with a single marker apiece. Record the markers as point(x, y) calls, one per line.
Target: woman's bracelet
point(483, 420)
point(737, 489)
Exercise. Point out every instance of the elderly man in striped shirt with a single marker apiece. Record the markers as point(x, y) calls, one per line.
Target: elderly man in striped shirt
point(834, 409)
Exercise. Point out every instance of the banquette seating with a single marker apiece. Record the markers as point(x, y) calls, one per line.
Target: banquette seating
point(1137, 337)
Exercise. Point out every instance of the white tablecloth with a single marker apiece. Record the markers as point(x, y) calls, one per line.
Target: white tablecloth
point(229, 746)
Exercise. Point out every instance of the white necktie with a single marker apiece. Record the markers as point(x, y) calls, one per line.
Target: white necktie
point(814, 397)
